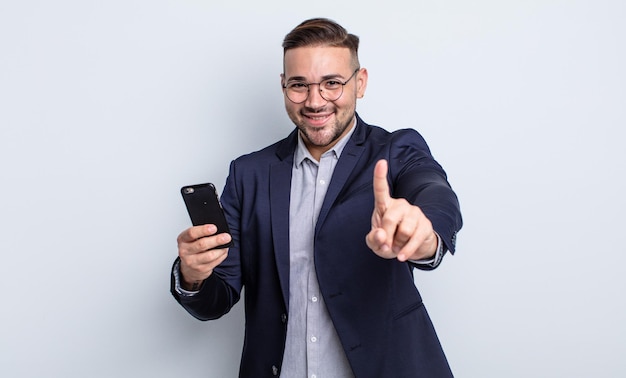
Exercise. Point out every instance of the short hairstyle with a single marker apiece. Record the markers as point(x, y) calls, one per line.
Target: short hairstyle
point(322, 32)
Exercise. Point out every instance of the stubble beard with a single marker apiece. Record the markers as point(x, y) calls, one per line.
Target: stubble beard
point(326, 136)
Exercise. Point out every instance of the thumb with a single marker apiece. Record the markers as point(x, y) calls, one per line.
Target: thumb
point(381, 188)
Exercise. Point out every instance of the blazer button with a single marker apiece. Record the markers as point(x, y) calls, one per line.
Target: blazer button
point(274, 370)
point(283, 318)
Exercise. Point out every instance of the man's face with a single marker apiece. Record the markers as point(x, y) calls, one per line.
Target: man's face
point(322, 123)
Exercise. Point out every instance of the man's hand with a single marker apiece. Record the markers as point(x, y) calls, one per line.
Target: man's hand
point(197, 256)
point(399, 230)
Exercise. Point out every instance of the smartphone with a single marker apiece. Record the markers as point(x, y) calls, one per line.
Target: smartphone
point(204, 207)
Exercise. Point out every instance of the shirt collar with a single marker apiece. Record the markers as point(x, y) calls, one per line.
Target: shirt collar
point(303, 153)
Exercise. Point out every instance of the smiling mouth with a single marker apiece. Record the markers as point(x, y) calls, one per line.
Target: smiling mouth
point(316, 119)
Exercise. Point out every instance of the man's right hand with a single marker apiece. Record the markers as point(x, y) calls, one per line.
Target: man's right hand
point(197, 256)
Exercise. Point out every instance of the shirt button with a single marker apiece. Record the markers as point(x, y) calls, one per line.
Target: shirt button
point(314, 299)
point(313, 339)
point(322, 182)
point(313, 376)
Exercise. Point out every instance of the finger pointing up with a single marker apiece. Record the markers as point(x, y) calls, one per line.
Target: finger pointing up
point(381, 188)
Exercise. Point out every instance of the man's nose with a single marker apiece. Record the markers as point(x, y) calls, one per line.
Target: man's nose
point(315, 99)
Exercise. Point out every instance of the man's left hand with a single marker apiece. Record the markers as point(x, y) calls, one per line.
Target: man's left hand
point(399, 230)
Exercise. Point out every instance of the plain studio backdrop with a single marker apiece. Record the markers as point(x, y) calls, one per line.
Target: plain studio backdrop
point(108, 108)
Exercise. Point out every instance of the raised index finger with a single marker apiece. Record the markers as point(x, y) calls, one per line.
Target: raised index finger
point(381, 187)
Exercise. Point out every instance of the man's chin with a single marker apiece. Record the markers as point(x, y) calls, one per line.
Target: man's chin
point(316, 138)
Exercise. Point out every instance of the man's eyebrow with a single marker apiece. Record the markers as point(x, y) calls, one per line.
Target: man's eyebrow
point(325, 77)
point(297, 78)
point(332, 76)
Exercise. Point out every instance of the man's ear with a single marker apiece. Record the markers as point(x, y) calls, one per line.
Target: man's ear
point(361, 82)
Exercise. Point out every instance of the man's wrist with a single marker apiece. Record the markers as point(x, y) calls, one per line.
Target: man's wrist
point(180, 285)
point(435, 259)
point(192, 286)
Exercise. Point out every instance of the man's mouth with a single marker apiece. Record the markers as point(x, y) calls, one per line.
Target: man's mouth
point(317, 119)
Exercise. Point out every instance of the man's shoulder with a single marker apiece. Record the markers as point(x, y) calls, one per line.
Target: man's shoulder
point(378, 134)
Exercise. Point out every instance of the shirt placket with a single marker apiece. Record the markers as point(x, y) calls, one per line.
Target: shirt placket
point(314, 299)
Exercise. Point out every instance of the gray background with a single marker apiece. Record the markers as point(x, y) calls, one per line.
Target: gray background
point(107, 108)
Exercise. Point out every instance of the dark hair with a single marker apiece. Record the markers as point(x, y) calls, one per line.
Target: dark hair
point(321, 32)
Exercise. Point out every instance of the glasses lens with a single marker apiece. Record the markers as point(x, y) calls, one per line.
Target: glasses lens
point(331, 89)
point(297, 92)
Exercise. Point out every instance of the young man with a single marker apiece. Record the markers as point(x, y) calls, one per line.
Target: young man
point(328, 225)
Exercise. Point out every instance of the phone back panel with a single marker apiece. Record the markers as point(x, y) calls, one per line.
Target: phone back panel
point(203, 206)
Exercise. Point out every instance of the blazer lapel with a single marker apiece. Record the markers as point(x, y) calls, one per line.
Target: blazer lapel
point(280, 192)
point(346, 164)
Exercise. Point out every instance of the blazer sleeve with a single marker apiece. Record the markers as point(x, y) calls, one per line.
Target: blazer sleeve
point(222, 290)
point(214, 299)
point(417, 177)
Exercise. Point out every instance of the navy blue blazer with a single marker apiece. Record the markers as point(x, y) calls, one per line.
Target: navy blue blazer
point(373, 302)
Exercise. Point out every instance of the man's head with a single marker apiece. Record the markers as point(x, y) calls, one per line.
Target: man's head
point(321, 81)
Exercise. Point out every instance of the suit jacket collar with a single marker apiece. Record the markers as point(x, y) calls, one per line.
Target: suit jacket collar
point(344, 168)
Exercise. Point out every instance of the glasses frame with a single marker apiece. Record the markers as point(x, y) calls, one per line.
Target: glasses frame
point(319, 86)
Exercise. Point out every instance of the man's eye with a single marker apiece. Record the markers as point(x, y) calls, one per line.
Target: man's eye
point(297, 86)
point(332, 84)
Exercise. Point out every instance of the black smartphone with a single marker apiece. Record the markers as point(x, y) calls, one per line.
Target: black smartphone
point(204, 207)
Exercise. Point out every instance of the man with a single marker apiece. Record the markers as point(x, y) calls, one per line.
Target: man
point(328, 225)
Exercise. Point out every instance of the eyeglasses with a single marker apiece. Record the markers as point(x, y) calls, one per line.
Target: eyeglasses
point(330, 89)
